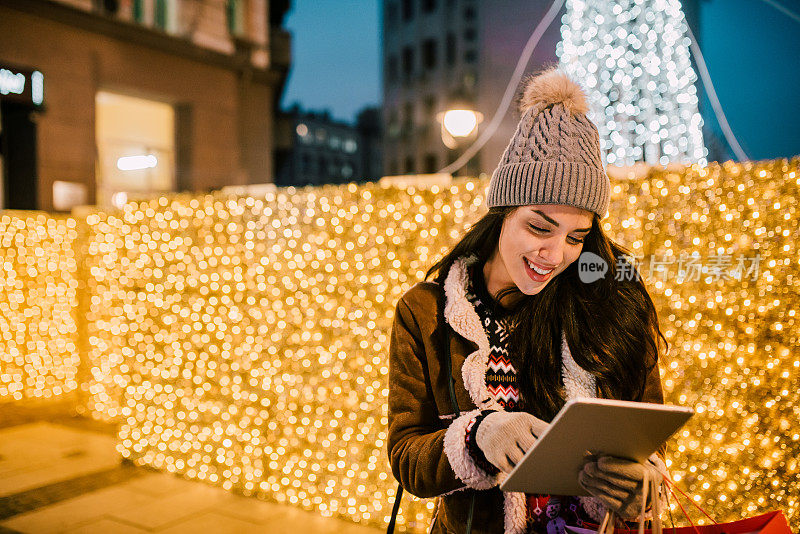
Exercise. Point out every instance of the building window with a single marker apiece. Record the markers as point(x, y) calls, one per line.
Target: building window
point(391, 14)
point(469, 79)
point(430, 163)
point(350, 146)
point(391, 69)
point(347, 170)
point(136, 148)
point(430, 106)
point(323, 166)
point(236, 17)
point(429, 54)
point(408, 63)
point(106, 7)
point(161, 14)
point(408, 10)
point(470, 56)
point(302, 132)
point(393, 128)
point(469, 34)
point(450, 51)
point(138, 11)
point(469, 13)
point(428, 6)
point(408, 117)
point(410, 165)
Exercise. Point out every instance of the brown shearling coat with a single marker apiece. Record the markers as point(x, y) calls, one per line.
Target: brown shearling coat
point(426, 438)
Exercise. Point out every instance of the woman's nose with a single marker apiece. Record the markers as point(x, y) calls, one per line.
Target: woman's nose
point(553, 251)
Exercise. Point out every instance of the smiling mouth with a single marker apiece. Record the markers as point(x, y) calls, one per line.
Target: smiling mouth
point(538, 270)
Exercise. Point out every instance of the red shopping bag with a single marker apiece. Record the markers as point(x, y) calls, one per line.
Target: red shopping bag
point(769, 523)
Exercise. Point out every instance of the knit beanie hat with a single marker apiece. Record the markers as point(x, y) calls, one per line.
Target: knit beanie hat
point(554, 155)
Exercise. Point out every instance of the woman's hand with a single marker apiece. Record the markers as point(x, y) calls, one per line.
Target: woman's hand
point(505, 437)
point(618, 482)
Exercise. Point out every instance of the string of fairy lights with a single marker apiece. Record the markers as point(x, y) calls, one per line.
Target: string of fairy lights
point(243, 341)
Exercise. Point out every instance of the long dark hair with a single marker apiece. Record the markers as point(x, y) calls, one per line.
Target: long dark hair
point(611, 325)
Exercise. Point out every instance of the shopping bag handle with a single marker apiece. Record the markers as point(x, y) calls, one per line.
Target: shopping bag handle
point(685, 514)
point(670, 484)
point(652, 485)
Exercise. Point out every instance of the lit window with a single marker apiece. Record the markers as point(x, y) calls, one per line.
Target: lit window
point(350, 146)
point(136, 147)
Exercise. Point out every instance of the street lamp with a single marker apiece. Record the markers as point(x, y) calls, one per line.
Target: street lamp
point(458, 124)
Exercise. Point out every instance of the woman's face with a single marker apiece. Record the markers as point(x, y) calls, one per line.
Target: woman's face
point(548, 236)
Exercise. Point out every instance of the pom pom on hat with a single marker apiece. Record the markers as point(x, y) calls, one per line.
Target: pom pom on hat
point(552, 87)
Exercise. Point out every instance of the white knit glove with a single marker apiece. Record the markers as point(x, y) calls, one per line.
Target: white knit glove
point(618, 482)
point(505, 437)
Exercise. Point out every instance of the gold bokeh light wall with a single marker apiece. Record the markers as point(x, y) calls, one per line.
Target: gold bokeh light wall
point(243, 341)
point(719, 248)
point(38, 305)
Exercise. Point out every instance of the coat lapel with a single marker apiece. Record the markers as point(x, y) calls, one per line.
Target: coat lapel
point(462, 317)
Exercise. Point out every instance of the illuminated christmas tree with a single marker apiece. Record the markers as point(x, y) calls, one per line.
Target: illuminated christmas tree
point(632, 57)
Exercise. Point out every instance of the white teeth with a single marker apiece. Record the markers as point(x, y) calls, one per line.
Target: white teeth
point(536, 269)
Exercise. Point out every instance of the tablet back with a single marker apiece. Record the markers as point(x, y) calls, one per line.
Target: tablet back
point(584, 426)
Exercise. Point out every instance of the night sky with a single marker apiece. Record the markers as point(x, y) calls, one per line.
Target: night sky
point(750, 47)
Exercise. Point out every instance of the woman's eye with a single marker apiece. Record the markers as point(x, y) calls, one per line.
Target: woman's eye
point(573, 240)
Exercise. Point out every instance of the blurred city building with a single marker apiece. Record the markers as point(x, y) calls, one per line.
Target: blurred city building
point(451, 54)
point(108, 100)
point(312, 148)
point(440, 55)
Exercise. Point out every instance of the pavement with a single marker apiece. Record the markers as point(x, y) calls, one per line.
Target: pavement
point(60, 473)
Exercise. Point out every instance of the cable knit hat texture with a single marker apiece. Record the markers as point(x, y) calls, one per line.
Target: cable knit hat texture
point(554, 155)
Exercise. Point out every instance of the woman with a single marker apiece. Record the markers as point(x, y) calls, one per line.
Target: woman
point(525, 333)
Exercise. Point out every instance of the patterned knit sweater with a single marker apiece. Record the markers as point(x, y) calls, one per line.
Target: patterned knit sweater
point(546, 514)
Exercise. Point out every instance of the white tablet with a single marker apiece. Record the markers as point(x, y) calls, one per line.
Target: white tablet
point(587, 426)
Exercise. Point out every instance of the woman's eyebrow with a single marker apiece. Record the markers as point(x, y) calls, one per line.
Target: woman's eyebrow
point(554, 223)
